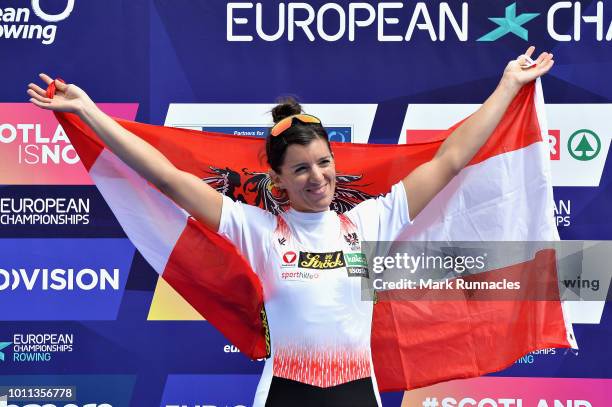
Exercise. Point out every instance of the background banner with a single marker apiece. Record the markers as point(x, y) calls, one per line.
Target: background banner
point(373, 71)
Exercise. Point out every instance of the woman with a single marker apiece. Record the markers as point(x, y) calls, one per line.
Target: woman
point(308, 257)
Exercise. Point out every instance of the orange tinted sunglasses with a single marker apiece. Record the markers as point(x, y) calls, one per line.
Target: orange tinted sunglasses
point(287, 122)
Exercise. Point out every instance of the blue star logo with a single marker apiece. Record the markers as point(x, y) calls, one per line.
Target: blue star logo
point(2, 346)
point(511, 23)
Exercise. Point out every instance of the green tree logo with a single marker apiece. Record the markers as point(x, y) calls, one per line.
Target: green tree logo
point(580, 145)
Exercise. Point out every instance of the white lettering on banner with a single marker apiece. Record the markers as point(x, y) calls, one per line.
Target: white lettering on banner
point(44, 205)
point(52, 18)
point(11, 15)
point(36, 147)
point(342, 22)
point(59, 279)
point(8, 133)
point(231, 20)
point(353, 22)
point(333, 22)
point(15, 22)
point(308, 20)
point(51, 339)
point(527, 359)
point(281, 23)
point(486, 402)
point(382, 20)
point(44, 211)
point(563, 212)
point(502, 402)
point(303, 24)
point(565, 7)
point(566, 403)
point(40, 347)
point(230, 349)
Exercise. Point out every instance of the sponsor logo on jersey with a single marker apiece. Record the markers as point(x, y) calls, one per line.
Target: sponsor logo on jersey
point(300, 275)
point(352, 240)
point(356, 264)
point(321, 261)
point(289, 259)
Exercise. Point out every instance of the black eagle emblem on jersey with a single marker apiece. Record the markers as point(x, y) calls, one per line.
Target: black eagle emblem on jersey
point(351, 239)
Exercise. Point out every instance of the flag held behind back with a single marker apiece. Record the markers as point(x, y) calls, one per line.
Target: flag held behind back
point(209, 273)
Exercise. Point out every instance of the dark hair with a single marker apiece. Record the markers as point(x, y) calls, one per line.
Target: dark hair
point(298, 133)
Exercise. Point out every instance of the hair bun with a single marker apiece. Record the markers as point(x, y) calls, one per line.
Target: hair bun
point(286, 107)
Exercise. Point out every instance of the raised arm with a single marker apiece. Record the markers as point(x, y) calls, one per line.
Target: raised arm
point(187, 190)
point(424, 183)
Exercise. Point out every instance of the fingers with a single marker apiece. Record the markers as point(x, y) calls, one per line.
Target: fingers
point(550, 65)
point(543, 63)
point(542, 57)
point(61, 86)
point(37, 89)
point(40, 98)
point(546, 64)
point(524, 60)
point(41, 104)
point(46, 78)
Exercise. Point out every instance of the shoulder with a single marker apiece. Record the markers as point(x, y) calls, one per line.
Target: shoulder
point(395, 201)
point(383, 217)
point(236, 214)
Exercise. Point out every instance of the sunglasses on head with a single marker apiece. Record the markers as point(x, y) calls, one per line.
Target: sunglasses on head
point(287, 122)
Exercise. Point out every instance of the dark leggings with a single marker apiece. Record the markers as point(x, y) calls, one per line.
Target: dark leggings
point(285, 392)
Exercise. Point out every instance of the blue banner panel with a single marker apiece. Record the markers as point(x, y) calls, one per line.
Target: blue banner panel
point(63, 279)
point(47, 211)
point(66, 390)
point(209, 390)
point(81, 309)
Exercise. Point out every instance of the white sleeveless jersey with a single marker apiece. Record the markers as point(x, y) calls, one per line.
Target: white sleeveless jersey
point(311, 268)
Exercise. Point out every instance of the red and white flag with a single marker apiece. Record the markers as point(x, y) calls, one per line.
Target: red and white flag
point(504, 193)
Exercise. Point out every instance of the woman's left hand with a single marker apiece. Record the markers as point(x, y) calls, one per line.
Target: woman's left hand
point(519, 74)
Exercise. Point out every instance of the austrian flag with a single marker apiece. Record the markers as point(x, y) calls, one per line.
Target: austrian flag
point(503, 194)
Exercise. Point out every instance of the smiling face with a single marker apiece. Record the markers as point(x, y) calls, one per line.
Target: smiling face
point(308, 175)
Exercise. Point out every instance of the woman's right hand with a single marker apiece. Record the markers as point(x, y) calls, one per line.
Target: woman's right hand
point(68, 98)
